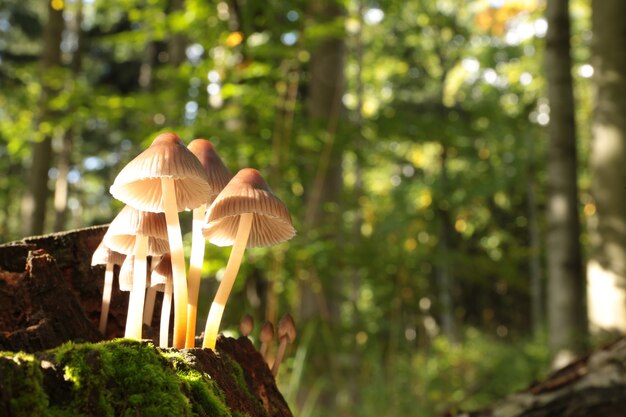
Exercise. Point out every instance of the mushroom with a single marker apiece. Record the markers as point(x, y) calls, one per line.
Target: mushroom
point(246, 325)
point(245, 214)
point(167, 178)
point(105, 256)
point(218, 176)
point(286, 334)
point(148, 308)
point(266, 336)
point(162, 280)
point(136, 234)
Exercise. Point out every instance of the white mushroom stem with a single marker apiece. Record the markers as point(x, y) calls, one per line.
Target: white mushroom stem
point(223, 291)
point(193, 278)
point(138, 293)
point(166, 309)
point(178, 262)
point(148, 309)
point(106, 297)
point(279, 354)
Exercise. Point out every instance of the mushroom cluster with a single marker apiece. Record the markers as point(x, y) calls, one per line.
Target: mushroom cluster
point(145, 237)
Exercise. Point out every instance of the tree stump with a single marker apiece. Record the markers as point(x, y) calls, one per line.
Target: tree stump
point(56, 362)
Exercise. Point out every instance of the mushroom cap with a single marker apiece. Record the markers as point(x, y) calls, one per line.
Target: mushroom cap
point(246, 325)
point(162, 271)
point(130, 222)
point(247, 192)
point(267, 332)
point(139, 183)
point(215, 169)
point(287, 328)
point(103, 255)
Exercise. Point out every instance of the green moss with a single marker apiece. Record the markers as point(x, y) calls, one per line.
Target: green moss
point(240, 378)
point(121, 378)
point(206, 397)
point(112, 378)
point(21, 385)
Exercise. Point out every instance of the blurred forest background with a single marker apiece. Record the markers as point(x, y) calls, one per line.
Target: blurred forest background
point(455, 171)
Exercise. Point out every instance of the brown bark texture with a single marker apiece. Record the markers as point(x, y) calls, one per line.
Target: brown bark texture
point(50, 294)
point(567, 314)
point(592, 386)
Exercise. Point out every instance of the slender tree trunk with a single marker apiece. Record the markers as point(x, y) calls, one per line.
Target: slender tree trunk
point(567, 323)
point(607, 266)
point(534, 241)
point(35, 203)
point(177, 42)
point(324, 109)
point(64, 160)
point(444, 278)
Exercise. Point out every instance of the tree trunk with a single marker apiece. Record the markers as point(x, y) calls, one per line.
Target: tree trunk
point(567, 322)
point(324, 109)
point(35, 204)
point(607, 266)
point(444, 278)
point(64, 161)
point(534, 243)
point(177, 42)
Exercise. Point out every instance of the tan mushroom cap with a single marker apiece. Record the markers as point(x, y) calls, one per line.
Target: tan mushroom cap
point(267, 332)
point(139, 183)
point(213, 165)
point(287, 328)
point(130, 222)
point(162, 272)
point(103, 255)
point(248, 192)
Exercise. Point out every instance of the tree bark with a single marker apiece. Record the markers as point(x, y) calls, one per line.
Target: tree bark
point(607, 229)
point(444, 277)
point(591, 386)
point(324, 107)
point(64, 160)
point(35, 204)
point(534, 243)
point(567, 323)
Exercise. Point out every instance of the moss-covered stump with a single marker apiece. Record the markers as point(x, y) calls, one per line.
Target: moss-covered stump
point(129, 378)
point(55, 362)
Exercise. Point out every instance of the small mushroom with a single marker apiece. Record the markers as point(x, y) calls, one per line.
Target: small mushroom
point(218, 176)
point(162, 278)
point(245, 214)
point(167, 178)
point(136, 234)
point(286, 334)
point(151, 292)
point(266, 336)
point(246, 325)
point(105, 256)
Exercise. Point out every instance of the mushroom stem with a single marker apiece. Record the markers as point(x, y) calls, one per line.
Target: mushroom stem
point(279, 355)
point(223, 291)
point(178, 262)
point(138, 293)
point(148, 309)
point(193, 278)
point(166, 309)
point(106, 297)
